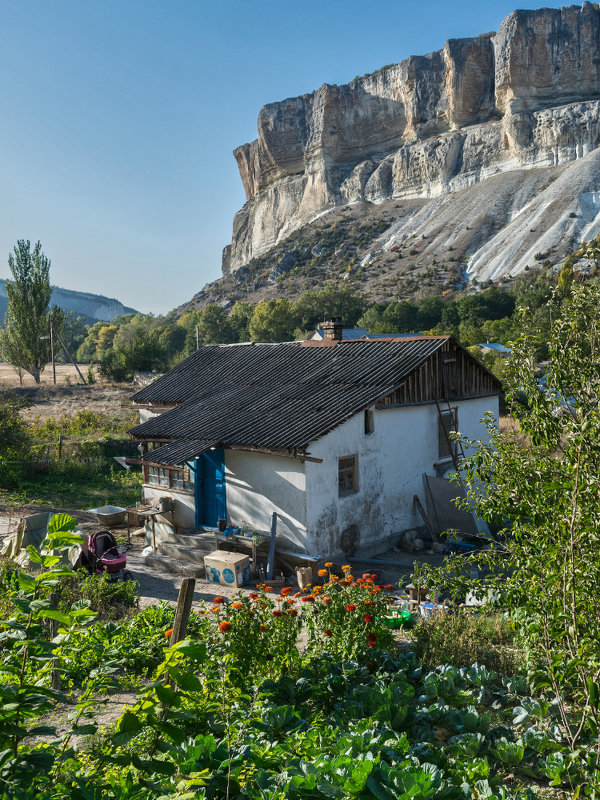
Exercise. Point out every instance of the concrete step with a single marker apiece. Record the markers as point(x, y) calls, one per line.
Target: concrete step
point(160, 562)
point(188, 555)
point(204, 541)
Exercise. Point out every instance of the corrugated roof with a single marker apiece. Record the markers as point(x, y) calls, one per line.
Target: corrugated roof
point(178, 452)
point(279, 396)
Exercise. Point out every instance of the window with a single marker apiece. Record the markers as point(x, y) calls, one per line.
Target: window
point(447, 422)
point(170, 478)
point(347, 475)
point(369, 421)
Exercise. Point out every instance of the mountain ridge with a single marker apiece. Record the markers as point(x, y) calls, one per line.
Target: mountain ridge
point(499, 132)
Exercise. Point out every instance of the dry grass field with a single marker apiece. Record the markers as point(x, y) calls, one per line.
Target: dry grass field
point(69, 395)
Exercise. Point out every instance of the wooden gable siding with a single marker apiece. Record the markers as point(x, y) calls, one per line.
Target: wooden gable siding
point(449, 374)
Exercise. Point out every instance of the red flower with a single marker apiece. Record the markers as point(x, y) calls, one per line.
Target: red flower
point(268, 589)
point(253, 595)
point(372, 644)
point(369, 618)
point(389, 587)
point(372, 637)
point(292, 612)
point(277, 613)
point(262, 628)
point(350, 607)
point(218, 599)
point(328, 632)
point(286, 590)
point(366, 576)
point(308, 599)
point(326, 600)
point(290, 601)
point(225, 626)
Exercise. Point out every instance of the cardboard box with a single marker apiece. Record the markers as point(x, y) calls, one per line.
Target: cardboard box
point(228, 569)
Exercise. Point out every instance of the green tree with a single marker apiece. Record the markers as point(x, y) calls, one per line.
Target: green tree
point(314, 306)
point(540, 487)
point(272, 321)
point(239, 319)
point(27, 318)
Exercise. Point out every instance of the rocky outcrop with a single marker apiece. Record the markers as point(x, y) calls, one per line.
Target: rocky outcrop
point(525, 98)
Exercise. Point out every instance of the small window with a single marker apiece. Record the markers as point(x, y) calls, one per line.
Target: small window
point(170, 478)
point(447, 423)
point(369, 421)
point(347, 475)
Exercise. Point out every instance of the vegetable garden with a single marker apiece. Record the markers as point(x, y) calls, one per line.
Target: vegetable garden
point(237, 709)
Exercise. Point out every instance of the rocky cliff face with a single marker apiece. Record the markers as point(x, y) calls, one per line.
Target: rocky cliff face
point(433, 127)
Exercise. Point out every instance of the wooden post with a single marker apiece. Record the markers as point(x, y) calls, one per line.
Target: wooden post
point(60, 441)
point(55, 673)
point(182, 613)
point(271, 560)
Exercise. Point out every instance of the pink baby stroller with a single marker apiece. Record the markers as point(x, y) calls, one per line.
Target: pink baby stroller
point(104, 555)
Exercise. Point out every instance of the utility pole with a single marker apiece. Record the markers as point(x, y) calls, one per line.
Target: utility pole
point(52, 352)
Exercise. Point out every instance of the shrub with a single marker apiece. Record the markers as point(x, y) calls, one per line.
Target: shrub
point(110, 599)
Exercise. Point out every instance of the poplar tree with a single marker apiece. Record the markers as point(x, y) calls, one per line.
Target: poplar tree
point(27, 318)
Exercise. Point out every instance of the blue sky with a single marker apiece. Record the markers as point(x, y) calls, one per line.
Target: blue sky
point(119, 118)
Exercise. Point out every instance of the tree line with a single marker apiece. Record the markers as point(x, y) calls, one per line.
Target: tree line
point(140, 342)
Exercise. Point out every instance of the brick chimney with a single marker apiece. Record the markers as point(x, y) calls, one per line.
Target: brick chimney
point(332, 329)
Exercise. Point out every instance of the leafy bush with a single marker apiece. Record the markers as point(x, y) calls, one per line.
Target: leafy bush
point(110, 599)
point(466, 637)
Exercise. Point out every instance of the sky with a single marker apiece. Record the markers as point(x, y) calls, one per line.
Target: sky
point(119, 118)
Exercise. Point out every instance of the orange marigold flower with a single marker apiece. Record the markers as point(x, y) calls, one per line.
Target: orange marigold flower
point(350, 578)
point(329, 563)
point(376, 589)
point(225, 626)
point(253, 595)
point(350, 607)
point(277, 613)
point(368, 618)
point(308, 599)
point(269, 589)
point(215, 609)
point(286, 590)
point(326, 600)
point(346, 567)
point(290, 600)
point(389, 587)
point(218, 599)
point(262, 628)
point(334, 579)
point(168, 633)
point(328, 632)
point(237, 605)
point(368, 603)
point(260, 585)
point(322, 573)
point(298, 594)
point(292, 612)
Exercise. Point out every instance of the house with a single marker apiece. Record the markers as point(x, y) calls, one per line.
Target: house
point(332, 435)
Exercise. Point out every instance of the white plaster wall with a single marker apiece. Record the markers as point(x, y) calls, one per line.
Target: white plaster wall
point(146, 414)
point(257, 484)
point(184, 510)
point(391, 461)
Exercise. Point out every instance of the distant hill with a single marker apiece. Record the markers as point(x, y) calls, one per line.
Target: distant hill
point(94, 307)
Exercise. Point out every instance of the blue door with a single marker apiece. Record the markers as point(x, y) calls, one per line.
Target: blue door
point(210, 488)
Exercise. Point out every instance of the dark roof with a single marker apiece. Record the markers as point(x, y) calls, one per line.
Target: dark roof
point(178, 452)
point(280, 396)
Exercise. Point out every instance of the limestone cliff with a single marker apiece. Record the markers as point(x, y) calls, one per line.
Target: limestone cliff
point(524, 101)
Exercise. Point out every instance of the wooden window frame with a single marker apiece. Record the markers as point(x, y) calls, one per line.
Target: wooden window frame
point(347, 475)
point(443, 451)
point(172, 472)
